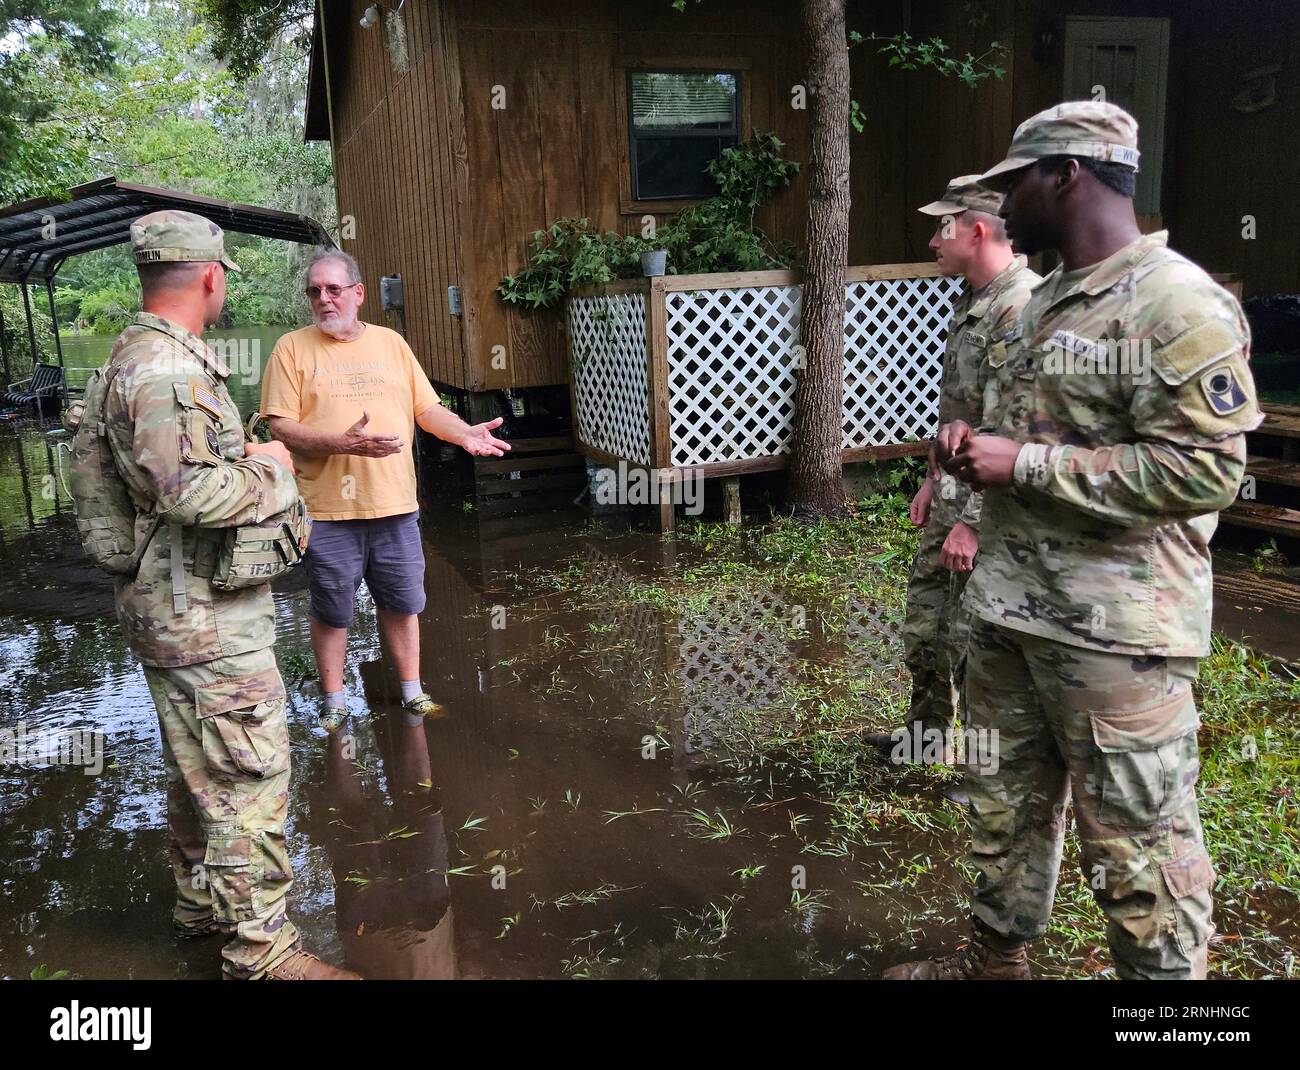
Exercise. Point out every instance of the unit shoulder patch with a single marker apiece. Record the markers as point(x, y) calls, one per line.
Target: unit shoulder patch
point(1222, 390)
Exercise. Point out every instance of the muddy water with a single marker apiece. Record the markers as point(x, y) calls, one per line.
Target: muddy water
point(529, 833)
point(543, 828)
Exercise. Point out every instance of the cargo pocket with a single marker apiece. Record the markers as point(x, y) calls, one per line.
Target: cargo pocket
point(244, 729)
point(228, 861)
point(1189, 880)
point(1146, 760)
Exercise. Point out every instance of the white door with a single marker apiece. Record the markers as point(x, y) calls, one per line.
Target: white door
point(1127, 60)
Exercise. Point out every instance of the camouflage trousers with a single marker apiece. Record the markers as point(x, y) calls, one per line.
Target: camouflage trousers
point(1116, 735)
point(225, 741)
point(935, 632)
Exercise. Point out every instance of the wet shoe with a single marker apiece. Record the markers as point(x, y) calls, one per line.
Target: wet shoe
point(957, 793)
point(883, 744)
point(423, 705)
point(333, 717)
point(304, 966)
point(988, 957)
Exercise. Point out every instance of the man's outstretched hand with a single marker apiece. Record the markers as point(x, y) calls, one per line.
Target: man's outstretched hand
point(359, 442)
point(480, 442)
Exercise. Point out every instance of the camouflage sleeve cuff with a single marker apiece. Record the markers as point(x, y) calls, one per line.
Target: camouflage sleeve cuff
point(1033, 465)
point(970, 514)
point(283, 489)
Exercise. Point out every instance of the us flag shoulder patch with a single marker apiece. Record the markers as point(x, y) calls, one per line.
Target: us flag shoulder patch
point(206, 400)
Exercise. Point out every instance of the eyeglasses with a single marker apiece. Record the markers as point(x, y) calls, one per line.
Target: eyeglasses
point(314, 292)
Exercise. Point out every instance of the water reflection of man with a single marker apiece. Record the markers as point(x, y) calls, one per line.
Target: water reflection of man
point(392, 899)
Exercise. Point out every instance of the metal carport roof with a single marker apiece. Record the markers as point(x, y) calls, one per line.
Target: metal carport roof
point(37, 236)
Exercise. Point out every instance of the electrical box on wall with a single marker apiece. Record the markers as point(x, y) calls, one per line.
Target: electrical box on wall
point(390, 293)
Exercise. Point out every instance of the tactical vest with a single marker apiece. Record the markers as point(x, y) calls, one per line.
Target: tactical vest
point(105, 512)
point(246, 556)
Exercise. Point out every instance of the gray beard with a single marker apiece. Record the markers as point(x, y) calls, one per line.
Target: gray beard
point(337, 328)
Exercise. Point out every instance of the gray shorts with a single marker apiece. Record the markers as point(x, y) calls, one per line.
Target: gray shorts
point(386, 552)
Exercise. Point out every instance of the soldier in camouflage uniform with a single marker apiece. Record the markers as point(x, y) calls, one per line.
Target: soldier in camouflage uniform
point(178, 443)
point(970, 241)
point(1116, 436)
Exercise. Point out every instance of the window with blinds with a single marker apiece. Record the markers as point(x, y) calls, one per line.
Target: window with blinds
point(680, 121)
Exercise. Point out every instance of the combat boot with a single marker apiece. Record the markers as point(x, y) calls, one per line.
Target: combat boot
point(882, 743)
point(988, 957)
point(303, 966)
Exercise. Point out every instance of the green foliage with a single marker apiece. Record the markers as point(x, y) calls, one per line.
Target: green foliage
point(717, 234)
point(45, 41)
point(245, 30)
point(910, 53)
point(162, 111)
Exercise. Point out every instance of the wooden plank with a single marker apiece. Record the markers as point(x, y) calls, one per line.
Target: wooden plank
point(729, 280)
point(882, 272)
point(533, 337)
point(1270, 518)
point(657, 375)
point(1273, 470)
point(527, 503)
point(598, 126)
point(452, 99)
point(540, 442)
point(483, 249)
point(492, 465)
point(617, 286)
point(528, 484)
point(1279, 425)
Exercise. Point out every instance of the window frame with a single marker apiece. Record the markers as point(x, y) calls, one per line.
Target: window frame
point(624, 68)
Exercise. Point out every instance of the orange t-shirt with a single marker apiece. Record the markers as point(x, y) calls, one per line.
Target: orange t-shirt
point(326, 384)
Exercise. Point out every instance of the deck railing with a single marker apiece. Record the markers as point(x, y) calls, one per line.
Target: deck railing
point(698, 371)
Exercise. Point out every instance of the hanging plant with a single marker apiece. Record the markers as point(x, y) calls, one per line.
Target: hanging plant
point(718, 234)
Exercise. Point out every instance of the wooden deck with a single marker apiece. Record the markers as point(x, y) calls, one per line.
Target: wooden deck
point(1278, 433)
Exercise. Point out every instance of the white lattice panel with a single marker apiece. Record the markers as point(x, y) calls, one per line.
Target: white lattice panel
point(731, 364)
point(608, 336)
point(731, 361)
point(894, 333)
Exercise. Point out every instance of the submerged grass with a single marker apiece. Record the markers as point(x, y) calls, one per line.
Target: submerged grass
point(812, 610)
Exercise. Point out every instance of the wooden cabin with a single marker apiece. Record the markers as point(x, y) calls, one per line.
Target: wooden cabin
point(460, 126)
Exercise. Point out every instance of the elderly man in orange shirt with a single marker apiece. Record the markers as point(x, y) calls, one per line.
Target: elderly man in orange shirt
point(344, 396)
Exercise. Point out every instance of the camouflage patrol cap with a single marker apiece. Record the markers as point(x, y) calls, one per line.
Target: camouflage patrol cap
point(1091, 129)
point(173, 236)
point(964, 192)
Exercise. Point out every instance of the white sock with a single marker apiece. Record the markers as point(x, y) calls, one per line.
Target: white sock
point(410, 688)
point(335, 699)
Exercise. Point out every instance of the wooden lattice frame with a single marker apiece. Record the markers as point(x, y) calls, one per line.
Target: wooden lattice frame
point(607, 350)
point(700, 369)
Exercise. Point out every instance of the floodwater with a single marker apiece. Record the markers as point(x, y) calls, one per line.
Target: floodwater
point(540, 829)
point(481, 844)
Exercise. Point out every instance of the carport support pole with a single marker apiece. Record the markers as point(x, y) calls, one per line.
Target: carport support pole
point(53, 319)
point(58, 342)
point(31, 330)
point(4, 349)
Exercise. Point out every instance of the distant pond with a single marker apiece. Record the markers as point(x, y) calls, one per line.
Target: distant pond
point(244, 349)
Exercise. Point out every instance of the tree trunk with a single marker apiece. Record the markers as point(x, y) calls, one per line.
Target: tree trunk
point(816, 486)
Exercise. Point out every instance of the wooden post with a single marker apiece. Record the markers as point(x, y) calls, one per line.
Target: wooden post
point(731, 499)
point(657, 391)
